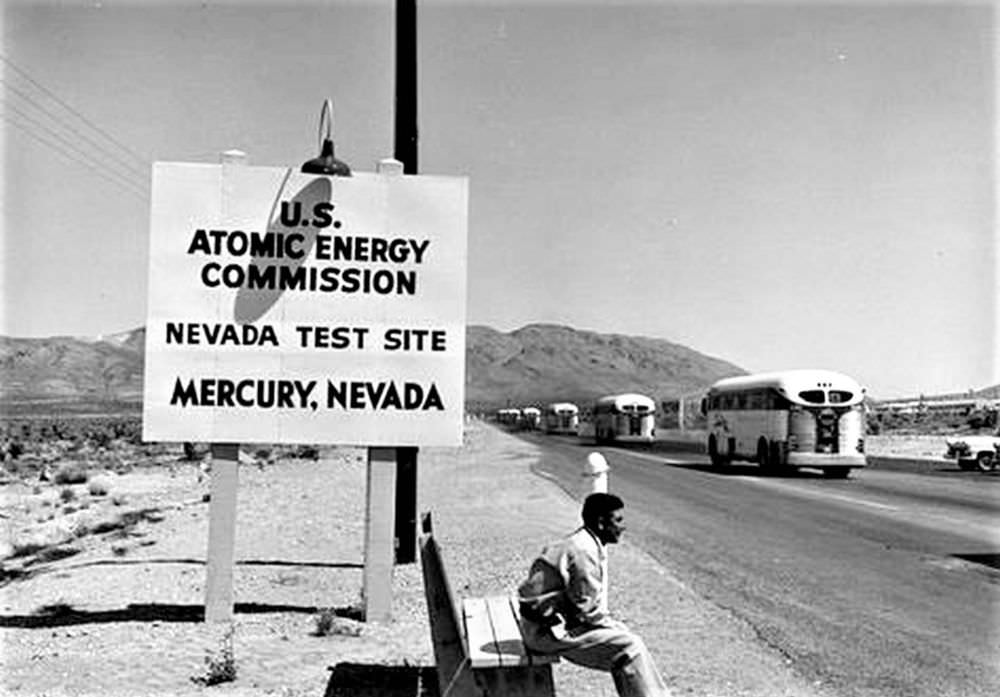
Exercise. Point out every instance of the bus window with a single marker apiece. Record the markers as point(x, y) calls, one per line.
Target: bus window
point(840, 396)
point(779, 402)
point(813, 396)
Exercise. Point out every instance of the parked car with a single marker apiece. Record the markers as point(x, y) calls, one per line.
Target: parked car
point(974, 452)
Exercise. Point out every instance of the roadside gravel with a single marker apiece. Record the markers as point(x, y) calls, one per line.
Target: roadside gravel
point(119, 617)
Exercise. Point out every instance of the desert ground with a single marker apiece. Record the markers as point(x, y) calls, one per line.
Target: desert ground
point(103, 573)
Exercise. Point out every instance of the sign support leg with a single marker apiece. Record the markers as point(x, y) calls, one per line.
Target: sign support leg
point(406, 505)
point(221, 533)
point(379, 534)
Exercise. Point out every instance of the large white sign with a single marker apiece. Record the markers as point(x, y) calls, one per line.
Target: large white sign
point(293, 308)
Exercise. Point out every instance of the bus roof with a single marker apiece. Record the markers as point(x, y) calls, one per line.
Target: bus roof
point(627, 398)
point(791, 382)
point(562, 406)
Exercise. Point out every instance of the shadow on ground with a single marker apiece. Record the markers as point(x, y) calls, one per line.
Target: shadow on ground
point(61, 615)
point(366, 680)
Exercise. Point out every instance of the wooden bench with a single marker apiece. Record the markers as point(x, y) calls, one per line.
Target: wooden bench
point(481, 652)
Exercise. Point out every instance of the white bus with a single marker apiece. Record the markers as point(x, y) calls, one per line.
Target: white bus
point(624, 418)
point(562, 417)
point(531, 418)
point(795, 418)
point(509, 417)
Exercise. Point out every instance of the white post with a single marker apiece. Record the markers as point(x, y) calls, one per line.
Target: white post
point(597, 470)
point(380, 507)
point(380, 539)
point(221, 533)
point(223, 488)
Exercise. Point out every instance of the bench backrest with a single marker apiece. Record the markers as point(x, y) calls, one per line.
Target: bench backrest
point(445, 621)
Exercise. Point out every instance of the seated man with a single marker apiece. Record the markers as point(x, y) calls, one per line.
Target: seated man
point(564, 610)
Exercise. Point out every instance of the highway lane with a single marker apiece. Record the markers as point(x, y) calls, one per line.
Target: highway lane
point(877, 585)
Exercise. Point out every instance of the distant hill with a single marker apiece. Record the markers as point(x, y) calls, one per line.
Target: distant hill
point(542, 363)
point(67, 369)
point(535, 364)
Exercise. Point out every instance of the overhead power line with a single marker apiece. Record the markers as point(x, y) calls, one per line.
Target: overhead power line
point(102, 150)
point(111, 139)
point(131, 179)
point(85, 161)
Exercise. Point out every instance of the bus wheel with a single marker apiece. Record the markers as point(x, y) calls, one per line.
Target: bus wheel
point(713, 452)
point(984, 462)
point(836, 472)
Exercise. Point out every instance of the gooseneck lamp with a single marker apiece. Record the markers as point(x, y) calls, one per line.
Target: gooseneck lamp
point(326, 163)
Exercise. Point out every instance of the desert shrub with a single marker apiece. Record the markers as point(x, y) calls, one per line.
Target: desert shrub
point(329, 622)
point(67, 494)
point(99, 486)
point(24, 548)
point(982, 418)
point(873, 423)
point(70, 473)
point(14, 449)
point(100, 438)
point(220, 666)
point(306, 452)
point(191, 452)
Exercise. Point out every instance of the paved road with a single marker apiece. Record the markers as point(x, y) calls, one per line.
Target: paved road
point(886, 584)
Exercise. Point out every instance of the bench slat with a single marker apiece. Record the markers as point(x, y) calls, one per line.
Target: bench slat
point(493, 635)
point(506, 632)
point(536, 659)
point(482, 645)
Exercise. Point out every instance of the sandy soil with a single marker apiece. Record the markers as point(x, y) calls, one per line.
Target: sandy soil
point(101, 593)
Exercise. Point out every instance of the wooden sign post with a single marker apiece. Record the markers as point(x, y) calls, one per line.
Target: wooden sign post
point(223, 488)
point(379, 534)
point(221, 532)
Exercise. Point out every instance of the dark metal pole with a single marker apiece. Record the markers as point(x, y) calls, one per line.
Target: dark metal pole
point(405, 150)
point(406, 85)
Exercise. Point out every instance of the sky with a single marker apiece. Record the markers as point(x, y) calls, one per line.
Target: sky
point(779, 185)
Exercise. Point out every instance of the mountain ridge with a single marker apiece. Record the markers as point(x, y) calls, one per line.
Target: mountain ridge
point(535, 364)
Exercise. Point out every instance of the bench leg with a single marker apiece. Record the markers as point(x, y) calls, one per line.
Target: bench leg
point(528, 681)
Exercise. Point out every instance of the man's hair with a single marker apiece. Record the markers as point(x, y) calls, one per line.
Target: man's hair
point(599, 505)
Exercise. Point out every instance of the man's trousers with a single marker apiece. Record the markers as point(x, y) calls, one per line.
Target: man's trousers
point(613, 648)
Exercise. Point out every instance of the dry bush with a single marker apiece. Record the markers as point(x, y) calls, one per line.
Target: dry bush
point(70, 473)
point(220, 666)
point(306, 452)
point(328, 622)
point(100, 485)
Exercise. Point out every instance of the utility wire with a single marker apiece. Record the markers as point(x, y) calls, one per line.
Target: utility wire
point(126, 184)
point(132, 177)
point(69, 108)
point(76, 134)
point(92, 162)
